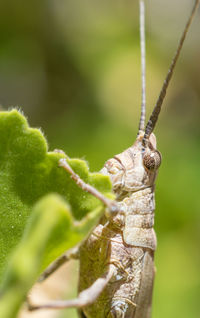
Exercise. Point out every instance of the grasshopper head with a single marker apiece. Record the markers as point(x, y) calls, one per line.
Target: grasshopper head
point(135, 168)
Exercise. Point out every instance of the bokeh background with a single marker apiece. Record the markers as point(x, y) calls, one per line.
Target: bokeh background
point(73, 67)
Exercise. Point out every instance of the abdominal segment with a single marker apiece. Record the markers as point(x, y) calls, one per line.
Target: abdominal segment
point(130, 286)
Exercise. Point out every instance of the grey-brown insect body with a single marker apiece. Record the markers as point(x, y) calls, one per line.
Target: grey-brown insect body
point(126, 242)
point(117, 259)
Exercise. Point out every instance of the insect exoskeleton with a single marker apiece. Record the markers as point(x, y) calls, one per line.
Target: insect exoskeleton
point(135, 168)
point(128, 248)
point(117, 258)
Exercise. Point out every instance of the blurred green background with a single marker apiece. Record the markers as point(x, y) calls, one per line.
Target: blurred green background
point(73, 67)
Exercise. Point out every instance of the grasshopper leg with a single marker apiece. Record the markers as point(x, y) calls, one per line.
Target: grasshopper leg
point(71, 254)
point(85, 298)
point(112, 206)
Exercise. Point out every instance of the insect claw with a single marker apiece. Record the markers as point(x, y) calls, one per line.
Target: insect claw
point(62, 162)
point(59, 151)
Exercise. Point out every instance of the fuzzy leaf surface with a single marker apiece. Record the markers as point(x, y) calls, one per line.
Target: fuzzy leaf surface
point(27, 173)
point(49, 216)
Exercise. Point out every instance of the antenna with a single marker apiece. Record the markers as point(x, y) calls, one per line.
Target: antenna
point(154, 116)
point(143, 65)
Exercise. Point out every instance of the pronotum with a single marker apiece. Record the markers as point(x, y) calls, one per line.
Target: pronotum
point(119, 253)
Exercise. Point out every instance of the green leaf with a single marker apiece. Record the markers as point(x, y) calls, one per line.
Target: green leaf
point(49, 215)
point(28, 172)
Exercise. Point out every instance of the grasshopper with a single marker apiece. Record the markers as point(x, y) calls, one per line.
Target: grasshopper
point(117, 259)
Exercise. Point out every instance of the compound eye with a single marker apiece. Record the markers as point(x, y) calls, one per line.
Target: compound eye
point(152, 160)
